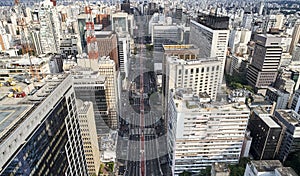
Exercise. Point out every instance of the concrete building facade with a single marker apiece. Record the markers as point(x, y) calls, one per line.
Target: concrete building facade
point(201, 133)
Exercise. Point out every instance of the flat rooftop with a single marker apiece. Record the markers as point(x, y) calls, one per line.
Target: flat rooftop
point(10, 115)
point(289, 115)
point(286, 171)
point(190, 102)
point(13, 111)
point(179, 47)
point(270, 122)
point(266, 165)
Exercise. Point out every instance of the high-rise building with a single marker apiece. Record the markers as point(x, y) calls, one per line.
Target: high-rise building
point(108, 45)
point(202, 75)
point(40, 132)
point(125, 6)
point(103, 19)
point(202, 133)
point(165, 35)
point(89, 136)
point(296, 101)
point(122, 23)
point(91, 86)
point(265, 133)
point(289, 120)
point(295, 37)
point(281, 97)
point(35, 36)
point(68, 45)
point(247, 20)
point(238, 41)
point(50, 28)
point(265, 62)
point(211, 34)
point(123, 51)
point(107, 68)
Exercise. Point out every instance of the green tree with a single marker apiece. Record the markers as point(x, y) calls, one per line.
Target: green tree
point(205, 172)
point(185, 173)
point(249, 88)
point(149, 47)
point(239, 169)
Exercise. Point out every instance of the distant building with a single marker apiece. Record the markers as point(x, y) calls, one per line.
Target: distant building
point(123, 53)
point(68, 46)
point(200, 134)
point(178, 14)
point(268, 167)
point(247, 20)
point(122, 23)
point(104, 20)
point(238, 41)
point(265, 62)
point(265, 133)
point(50, 29)
point(295, 37)
point(125, 6)
point(165, 35)
point(107, 45)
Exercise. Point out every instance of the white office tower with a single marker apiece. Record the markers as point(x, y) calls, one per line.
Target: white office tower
point(238, 41)
point(201, 133)
point(50, 28)
point(202, 75)
point(88, 132)
point(247, 20)
point(211, 36)
point(107, 68)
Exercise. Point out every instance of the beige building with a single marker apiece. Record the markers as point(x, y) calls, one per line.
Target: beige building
point(202, 75)
point(107, 68)
point(89, 136)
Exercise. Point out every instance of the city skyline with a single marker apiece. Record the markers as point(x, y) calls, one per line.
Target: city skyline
point(149, 88)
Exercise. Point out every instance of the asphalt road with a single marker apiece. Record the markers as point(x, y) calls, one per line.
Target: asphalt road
point(129, 145)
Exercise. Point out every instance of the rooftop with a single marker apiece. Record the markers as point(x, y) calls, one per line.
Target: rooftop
point(179, 47)
point(289, 115)
point(10, 115)
point(270, 122)
point(266, 165)
point(187, 101)
point(13, 111)
point(286, 171)
point(220, 167)
point(103, 34)
point(175, 59)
